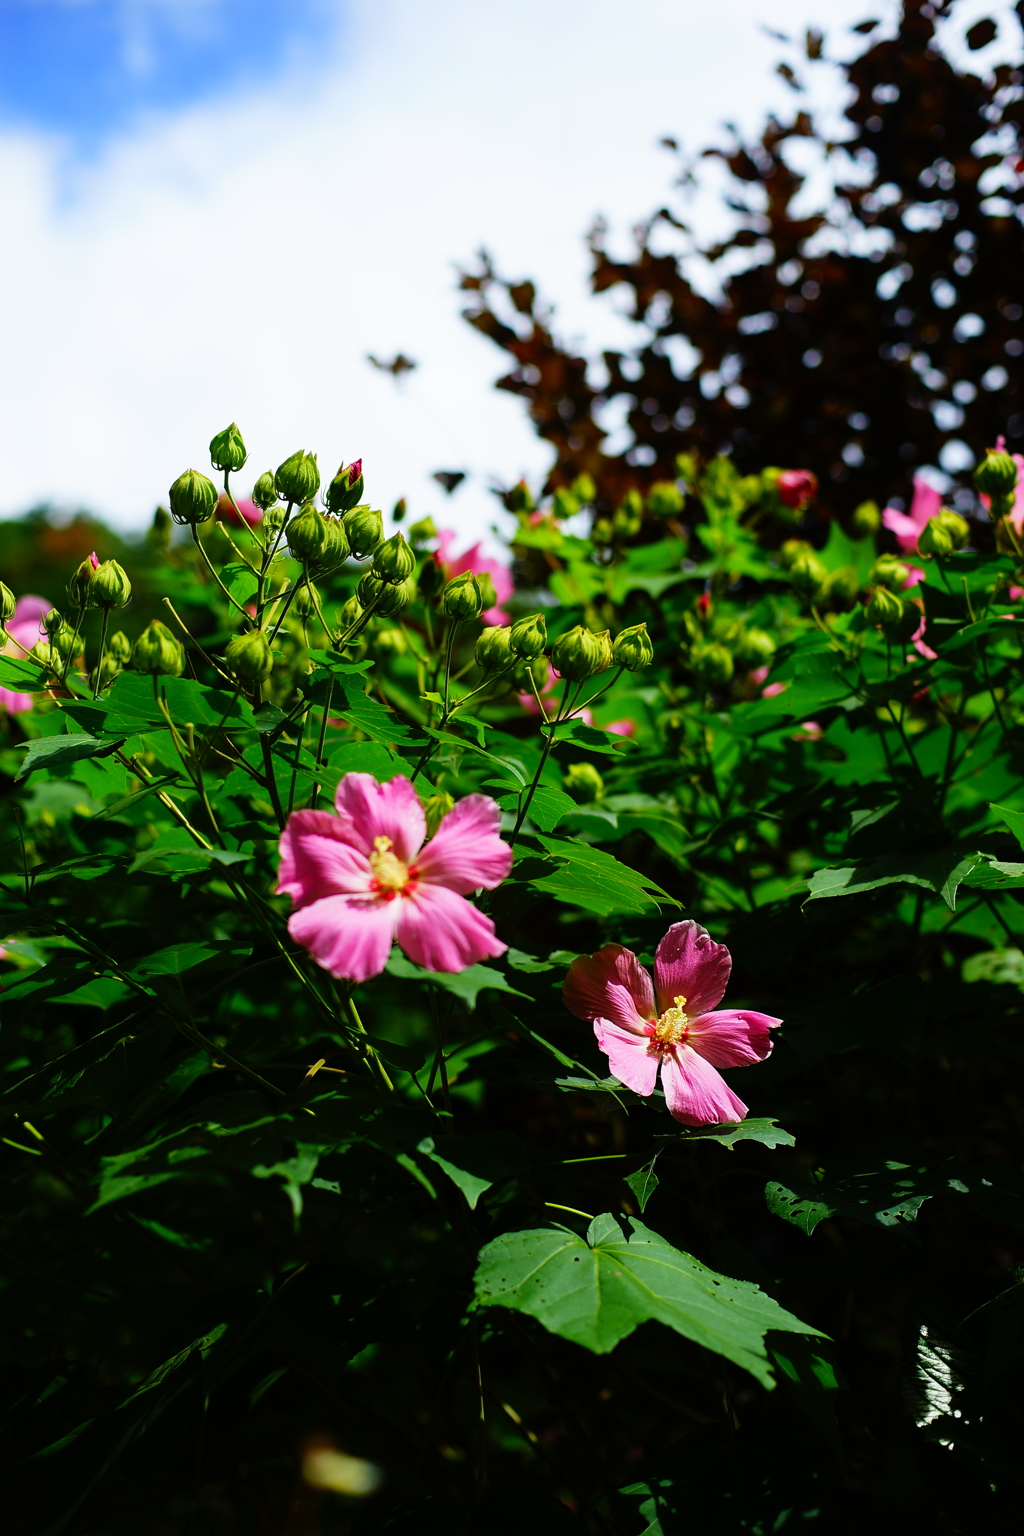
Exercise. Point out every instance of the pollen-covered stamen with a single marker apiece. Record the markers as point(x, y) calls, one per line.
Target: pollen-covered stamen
point(390, 875)
point(671, 1029)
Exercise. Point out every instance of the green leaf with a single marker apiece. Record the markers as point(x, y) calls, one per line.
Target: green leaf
point(22, 675)
point(767, 1132)
point(809, 1377)
point(351, 702)
point(547, 806)
point(507, 765)
point(241, 581)
point(57, 751)
point(643, 1183)
point(941, 873)
point(597, 881)
point(475, 1163)
point(1014, 820)
point(599, 1290)
point(366, 757)
point(991, 874)
point(884, 1197)
point(591, 738)
point(800, 1209)
point(467, 984)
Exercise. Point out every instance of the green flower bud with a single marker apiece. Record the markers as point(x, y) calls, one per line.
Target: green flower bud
point(792, 549)
point(345, 489)
point(59, 633)
point(394, 560)
point(711, 664)
point(120, 647)
point(756, 649)
point(996, 475)
point(7, 605)
point(493, 650)
point(319, 542)
point(808, 575)
point(461, 598)
point(889, 571)
point(528, 675)
point(306, 600)
point(884, 608)
point(391, 641)
point(629, 515)
point(109, 668)
point(866, 519)
point(958, 528)
point(298, 478)
point(584, 489)
point(435, 809)
point(664, 499)
point(842, 586)
point(519, 499)
point(46, 654)
point(273, 522)
point(633, 649)
point(583, 782)
point(227, 451)
point(935, 538)
point(528, 636)
point(350, 614)
point(385, 597)
point(602, 531)
point(52, 623)
point(578, 654)
point(728, 632)
point(364, 528)
point(422, 532)
point(157, 652)
point(158, 535)
point(248, 657)
point(193, 498)
point(264, 492)
point(399, 510)
point(565, 503)
point(110, 587)
point(81, 581)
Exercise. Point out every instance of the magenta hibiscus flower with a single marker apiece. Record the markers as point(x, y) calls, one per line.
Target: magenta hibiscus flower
point(673, 1025)
point(363, 878)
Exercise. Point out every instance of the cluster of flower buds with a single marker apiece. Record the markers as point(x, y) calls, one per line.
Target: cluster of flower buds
point(319, 542)
point(114, 658)
point(389, 586)
point(579, 653)
point(943, 534)
point(718, 646)
point(157, 652)
point(99, 584)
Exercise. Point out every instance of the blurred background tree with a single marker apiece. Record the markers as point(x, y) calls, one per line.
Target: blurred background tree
point(861, 340)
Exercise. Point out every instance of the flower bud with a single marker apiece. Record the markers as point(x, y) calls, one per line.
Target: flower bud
point(808, 575)
point(889, 571)
point(602, 532)
point(46, 654)
point(306, 600)
point(394, 560)
point(519, 499)
point(584, 489)
point(157, 652)
point(883, 608)
point(399, 510)
point(109, 668)
point(791, 549)
point(493, 650)
point(391, 641)
point(248, 657)
point(996, 475)
point(528, 636)
point(461, 598)
point(435, 809)
point(583, 782)
point(120, 647)
point(664, 499)
point(7, 605)
point(109, 588)
point(842, 586)
point(364, 527)
point(158, 535)
point(711, 664)
point(264, 492)
point(59, 633)
point(935, 539)
point(345, 489)
point(298, 478)
point(385, 597)
point(866, 519)
point(755, 649)
point(273, 522)
point(193, 498)
point(319, 542)
point(796, 487)
point(578, 654)
point(564, 503)
point(227, 451)
point(633, 649)
point(958, 528)
point(350, 614)
point(81, 581)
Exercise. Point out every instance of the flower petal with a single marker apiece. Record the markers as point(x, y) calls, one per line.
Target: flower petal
point(349, 936)
point(611, 984)
point(733, 1037)
point(316, 861)
point(369, 810)
point(443, 931)
point(466, 852)
point(628, 1056)
point(694, 1092)
point(689, 964)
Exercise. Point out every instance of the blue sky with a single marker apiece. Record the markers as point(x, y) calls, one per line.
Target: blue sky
point(86, 68)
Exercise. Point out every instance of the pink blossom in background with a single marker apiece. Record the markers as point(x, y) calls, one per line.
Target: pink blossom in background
point(917, 640)
point(796, 487)
point(1016, 593)
point(773, 690)
point(620, 728)
point(24, 630)
point(671, 1025)
point(362, 879)
point(926, 503)
point(251, 514)
point(809, 731)
point(473, 560)
point(914, 575)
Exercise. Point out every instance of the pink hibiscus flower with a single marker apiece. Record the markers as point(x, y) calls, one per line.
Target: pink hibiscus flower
point(24, 630)
point(671, 1025)
point(251, 515)
point(926, 503)
point(473, 560)
point(362, 879)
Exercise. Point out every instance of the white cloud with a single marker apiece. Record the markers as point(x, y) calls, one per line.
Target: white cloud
point(237, 260)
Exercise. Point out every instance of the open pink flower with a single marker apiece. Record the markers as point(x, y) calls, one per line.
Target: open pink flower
point(24, 630)
point(480, 565)
point(671, 1025)
point(926, 503)
point(362, 879)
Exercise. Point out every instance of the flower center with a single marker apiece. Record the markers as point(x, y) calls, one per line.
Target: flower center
point(390, 875)
point(671, 1029)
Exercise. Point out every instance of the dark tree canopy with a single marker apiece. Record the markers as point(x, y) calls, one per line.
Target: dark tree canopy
point(865, 339)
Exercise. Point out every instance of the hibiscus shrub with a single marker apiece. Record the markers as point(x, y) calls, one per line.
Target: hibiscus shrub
point(378, 932)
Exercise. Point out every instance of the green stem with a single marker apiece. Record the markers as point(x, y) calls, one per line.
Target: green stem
point(99, 661)
point(74, 643)
point(197, 541)
point(564, 711)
